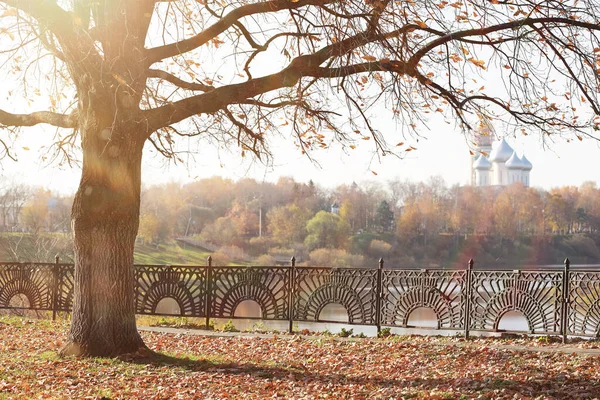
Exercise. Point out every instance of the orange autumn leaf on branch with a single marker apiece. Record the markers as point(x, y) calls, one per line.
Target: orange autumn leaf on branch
point(479, 63)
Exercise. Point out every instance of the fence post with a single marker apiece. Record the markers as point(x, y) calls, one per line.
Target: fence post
point(55, 284)
point(565, 301)
point(468, 292)
point(291, 294)
point(208, 290)
point(379, 296)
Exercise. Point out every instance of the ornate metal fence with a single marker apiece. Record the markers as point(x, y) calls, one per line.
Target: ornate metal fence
point(583, 305)
point(404, 291)
point(185, 285)
point(267, 286)
point(538, 296)
point(551, 301)
point(353, 288)
point(28, 286)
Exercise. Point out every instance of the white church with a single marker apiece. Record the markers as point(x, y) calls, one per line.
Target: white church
point(501, 167)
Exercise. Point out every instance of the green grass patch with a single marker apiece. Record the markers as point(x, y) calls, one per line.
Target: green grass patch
point(173, 322)
point(171, 253)
point(45, 246)
point(48, 356)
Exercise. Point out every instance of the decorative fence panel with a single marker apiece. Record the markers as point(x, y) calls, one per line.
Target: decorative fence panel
point(584, 304)
point(354, 289)
point(184, 285)
point(267, 286)
point(27, 286)
point(404, 291)
point(65, 283)
point(552, 301)
point(535, 295)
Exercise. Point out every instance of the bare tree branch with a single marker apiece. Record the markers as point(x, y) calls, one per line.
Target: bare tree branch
point(307, 65)
point(62, 24)
point(39, 117)
point(159, 74)
point(229, 20)
point(460, 35)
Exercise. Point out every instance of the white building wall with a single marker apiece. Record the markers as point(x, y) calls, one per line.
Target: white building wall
point(526, 178)
point(500, 174)
point(483, 177)
point(515, 175)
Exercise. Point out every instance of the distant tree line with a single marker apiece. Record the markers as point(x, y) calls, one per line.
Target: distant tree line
point(405, 222)
point(31, 209)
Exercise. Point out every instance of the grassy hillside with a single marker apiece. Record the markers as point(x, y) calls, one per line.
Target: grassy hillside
point(41, 247)
point(170, 253)
point(45, 246)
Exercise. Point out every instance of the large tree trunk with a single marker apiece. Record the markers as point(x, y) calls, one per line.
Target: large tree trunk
point(105, 219)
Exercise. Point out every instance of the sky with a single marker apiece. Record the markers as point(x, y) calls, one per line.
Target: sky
point(442, 152)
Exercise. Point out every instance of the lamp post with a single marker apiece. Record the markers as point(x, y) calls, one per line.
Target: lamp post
point(543, 222)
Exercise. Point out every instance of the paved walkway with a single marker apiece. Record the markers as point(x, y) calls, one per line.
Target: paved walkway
point(539, 349)
point(558, 348)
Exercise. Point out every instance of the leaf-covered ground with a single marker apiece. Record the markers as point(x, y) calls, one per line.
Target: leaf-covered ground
point(205, 367)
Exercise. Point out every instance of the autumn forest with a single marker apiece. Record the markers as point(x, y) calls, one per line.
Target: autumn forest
point(409, 224)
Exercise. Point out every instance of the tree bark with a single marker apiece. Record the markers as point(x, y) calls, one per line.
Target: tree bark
point(105, 219)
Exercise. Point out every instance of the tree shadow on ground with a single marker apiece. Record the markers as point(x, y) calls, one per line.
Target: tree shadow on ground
point(550, 386)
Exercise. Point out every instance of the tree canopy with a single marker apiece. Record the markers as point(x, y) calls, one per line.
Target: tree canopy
point(234, 72)
point(326, 230)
